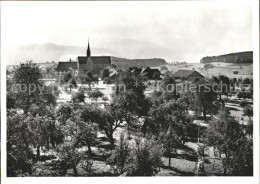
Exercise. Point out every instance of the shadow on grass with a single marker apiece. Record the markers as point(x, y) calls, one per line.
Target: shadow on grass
point(182, 173)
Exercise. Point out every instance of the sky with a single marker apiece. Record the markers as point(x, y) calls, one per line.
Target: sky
point(191, 29)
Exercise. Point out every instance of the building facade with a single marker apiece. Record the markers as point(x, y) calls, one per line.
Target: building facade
point(84, 64)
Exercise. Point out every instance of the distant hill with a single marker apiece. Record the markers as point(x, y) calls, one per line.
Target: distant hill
point(123, 63)
point(132, 49)
point(239, 57)
point(40, 53)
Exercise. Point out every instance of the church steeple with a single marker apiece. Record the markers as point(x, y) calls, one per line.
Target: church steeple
point(88, 50)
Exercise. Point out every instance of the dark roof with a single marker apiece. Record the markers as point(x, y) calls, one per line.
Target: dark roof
point(104, 60)
point(184, 73)
point(65, 66)
point(135, 70)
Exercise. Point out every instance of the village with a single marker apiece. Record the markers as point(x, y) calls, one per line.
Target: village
point(87, 117)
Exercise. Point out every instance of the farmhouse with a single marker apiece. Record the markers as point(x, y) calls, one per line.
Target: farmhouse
point(84, 64)
point(146, 72)
point(187, 75)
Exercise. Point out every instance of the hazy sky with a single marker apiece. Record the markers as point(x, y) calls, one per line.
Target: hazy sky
point(194, 30)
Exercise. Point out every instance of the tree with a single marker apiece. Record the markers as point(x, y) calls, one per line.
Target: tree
point(248, 111)
point(105, 98)
point(70, 156)
point(172, 114)
point(72, 83)
point(107, 80)
point(104, 73)
point(19, 139)
point(63, 112)
point(120, 154)
point(89, 118)
point(129, 96)
point(223, 86)
point(86, 79)
point(29, 89)
point(163, 68)
point(225, 134)
point(78, 97)
point(205, 99)
point(95, 95)
point(169, 140)
point(109, 121)
point(145, 158)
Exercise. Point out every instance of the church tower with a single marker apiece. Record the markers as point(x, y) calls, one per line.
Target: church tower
point(88, 51)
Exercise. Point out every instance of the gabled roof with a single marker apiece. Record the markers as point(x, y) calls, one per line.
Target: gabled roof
point(103, 60)
point(166, 72)
point(65, 66)
point(184, 73)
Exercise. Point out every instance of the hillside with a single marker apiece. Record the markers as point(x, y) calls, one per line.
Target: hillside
point(239, 57)
point(40, 53)
point(123, 63)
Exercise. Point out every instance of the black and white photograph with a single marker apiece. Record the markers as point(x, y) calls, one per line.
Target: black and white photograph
point(130, 89)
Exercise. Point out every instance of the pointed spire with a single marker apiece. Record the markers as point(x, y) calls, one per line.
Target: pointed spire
point(88, 50)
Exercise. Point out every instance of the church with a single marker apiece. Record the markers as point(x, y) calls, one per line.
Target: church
point(84, 64)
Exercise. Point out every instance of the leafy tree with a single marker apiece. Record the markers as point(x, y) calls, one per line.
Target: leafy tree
point(109, 121)
point(163, 68)
point(105, 98)
point(169, 140)
point(19, 139)
point(78, 97)
point(246, 81)
point(171, 113)
point(120, 154)
point(129, 96)
point(63, 112)
point(95, 79)
point(86, 79)
point(107, 80)
point(43, 131)
point(29, 89)
point(248, 111)
point(145, 158)
point(95, 95)
point(70, 156)
point(104, 73)
point(225, 134)
point(89, 119)
point(205, 99)
point(72, 83)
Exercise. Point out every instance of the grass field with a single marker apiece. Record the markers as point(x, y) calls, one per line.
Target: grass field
point(245, 70)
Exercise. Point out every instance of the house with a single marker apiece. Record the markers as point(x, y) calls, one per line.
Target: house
point(113, 72)
point(64, 67)
point(189, 75)
point(146, 72)
point(165, 73)
point(84, 64)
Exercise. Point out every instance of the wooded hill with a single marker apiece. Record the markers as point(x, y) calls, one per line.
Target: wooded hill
point(123, 63)
point(239, 57)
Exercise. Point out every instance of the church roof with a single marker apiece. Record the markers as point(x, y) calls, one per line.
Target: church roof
point(65, 66)
point(104, 60)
